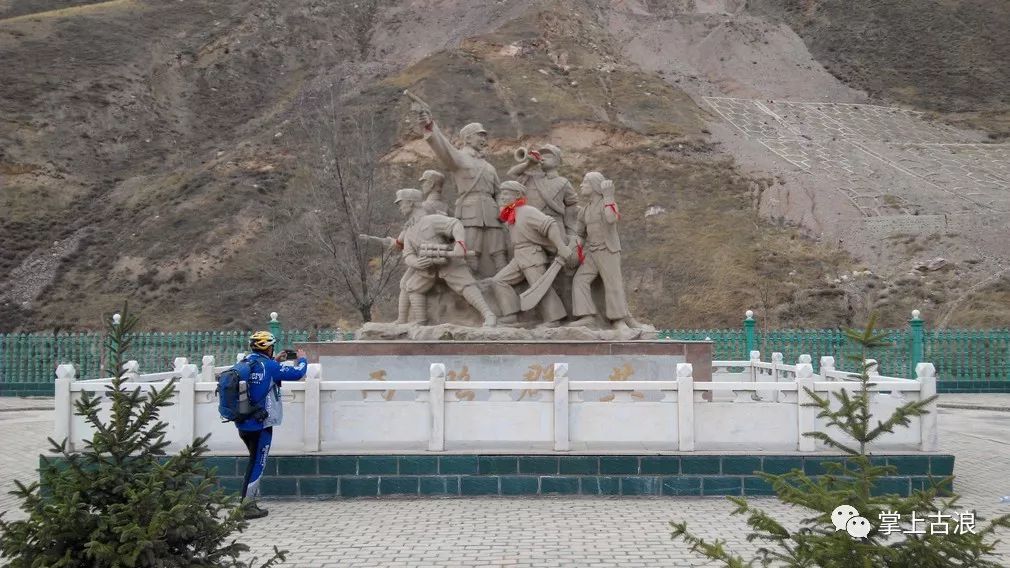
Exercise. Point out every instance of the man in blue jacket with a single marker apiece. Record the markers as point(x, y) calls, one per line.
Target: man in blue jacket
point(265, 376)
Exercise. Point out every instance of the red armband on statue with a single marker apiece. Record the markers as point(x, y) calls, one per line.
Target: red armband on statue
point(462, 244)
point(582, 255)
point(613, 207)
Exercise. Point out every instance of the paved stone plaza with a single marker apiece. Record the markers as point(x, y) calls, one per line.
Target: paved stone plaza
point(533, 531)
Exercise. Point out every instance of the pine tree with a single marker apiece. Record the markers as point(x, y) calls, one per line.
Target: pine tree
point(851, 481)
point(122, 501)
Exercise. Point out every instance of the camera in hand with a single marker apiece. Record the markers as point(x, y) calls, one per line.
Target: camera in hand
point(290, 355)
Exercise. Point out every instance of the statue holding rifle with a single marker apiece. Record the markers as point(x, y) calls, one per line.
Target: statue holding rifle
point(434, 248)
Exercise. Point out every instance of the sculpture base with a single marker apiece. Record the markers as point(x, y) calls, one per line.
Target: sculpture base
point(454, 332)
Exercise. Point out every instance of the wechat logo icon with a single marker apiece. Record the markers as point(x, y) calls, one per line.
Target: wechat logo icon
point(846, 518)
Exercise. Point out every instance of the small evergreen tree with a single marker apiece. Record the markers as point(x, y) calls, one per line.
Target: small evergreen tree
point(122, 501)
point(851, 482)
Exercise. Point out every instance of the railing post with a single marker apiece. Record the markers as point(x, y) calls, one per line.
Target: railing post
point(685, 406)
point(777, 360)
point(185, 393)
point(178, 363)
point(806, 416)
point(872, 368)
point(313, 407)
point(436, 399)
point(827, 364)
point(64, 413)
point(561, 441)
point(755, 357)
point(275, 328)
point(917, 349)
point(749, 331)
point(207, 369)
point(131, 370)
point(925, 373)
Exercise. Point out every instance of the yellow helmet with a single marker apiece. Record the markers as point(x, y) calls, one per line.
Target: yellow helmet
point(261, 340)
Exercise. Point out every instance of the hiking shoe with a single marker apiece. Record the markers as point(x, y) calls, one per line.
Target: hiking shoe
point(255, 512)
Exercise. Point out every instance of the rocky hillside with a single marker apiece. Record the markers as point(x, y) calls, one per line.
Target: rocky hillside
point(173, 153)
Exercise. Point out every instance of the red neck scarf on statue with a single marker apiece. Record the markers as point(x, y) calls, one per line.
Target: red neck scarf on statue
point(508, 213)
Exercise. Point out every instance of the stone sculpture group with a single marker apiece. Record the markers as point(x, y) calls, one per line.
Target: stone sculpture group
point(559, 245)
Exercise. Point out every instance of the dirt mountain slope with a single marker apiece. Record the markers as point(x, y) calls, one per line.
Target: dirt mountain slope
point(160, 155)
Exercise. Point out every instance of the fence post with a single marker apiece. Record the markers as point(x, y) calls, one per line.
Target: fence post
point(806, 416)
point(131, 370)
point(827, 364)
point(755, 357)
point(925, 373)
point(178, 363)
point(186, 399)
point(63, 408)
point(275, 328)
point(207, 369)
point(313, 407)
point(685, 406)
point(749, 331)
point(561, 441)
point(436, 400)
point(917, 349)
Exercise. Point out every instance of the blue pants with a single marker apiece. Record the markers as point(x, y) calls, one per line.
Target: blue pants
point(258, 444)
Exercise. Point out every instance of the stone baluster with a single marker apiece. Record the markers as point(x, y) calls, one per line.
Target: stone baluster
point(313, 407)
point(827, 366)
point(65, 375)
point(755, 357)
point(436, 401)
point(185, 397)
point(207, 369)
point(131, 370)
point(806, 416)
point(178, 363)
point(685, 406)
point(561, 441)
point(925, 373)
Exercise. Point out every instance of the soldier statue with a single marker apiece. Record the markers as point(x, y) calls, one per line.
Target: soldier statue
point(596, 237)
point(553, 195)
point(476, 185)
point(431, 188)
point(534, 235)
point(546, 190)
point(434, 248)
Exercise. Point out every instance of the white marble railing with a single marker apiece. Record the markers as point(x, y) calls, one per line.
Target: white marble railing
point(750, 406)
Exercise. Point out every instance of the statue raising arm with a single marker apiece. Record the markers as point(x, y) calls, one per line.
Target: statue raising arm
point(610, 213)
point(449, 155)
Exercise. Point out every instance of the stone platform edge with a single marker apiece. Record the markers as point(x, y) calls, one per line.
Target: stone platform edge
point(331, 476)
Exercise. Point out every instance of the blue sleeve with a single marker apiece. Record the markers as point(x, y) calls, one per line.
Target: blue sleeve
point(286, 372)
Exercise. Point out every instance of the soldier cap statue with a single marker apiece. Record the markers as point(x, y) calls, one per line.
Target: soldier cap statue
point(471, 129)
point(435, 176)
point(510, 187)
point(408, 194)
point(552, 149)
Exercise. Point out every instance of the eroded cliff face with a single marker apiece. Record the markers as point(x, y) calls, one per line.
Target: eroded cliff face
point(160, 154)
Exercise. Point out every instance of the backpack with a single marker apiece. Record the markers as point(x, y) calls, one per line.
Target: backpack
point(233, 394)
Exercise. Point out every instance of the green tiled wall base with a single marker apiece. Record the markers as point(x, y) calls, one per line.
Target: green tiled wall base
point(465, 475)
point(973, 386)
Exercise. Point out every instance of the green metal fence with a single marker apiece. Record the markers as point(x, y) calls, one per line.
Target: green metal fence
point(28, 360)
point(965, 360)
